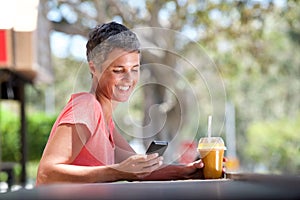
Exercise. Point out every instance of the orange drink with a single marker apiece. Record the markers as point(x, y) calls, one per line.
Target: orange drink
point(211, 150)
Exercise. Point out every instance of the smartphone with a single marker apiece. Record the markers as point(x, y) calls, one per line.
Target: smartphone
point(157, 147)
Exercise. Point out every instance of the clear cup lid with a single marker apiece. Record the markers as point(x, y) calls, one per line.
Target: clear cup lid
point(211, 142)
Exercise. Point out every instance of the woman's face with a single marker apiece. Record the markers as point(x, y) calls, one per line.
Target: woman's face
point(120, 74)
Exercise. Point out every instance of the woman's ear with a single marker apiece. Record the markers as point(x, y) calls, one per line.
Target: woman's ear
point(92, 68)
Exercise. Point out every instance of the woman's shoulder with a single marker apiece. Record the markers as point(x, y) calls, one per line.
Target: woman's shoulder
point(84, 103)
point(84, 108)
point(85, 98)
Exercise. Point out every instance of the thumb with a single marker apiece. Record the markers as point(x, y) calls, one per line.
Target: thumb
point(198, 164)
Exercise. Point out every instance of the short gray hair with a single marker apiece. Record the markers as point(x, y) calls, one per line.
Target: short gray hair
point(107, 37)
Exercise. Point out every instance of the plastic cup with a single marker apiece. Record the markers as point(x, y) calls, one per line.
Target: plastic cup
point(211, 150)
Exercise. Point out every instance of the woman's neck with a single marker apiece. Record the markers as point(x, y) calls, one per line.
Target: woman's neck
point(106, 104)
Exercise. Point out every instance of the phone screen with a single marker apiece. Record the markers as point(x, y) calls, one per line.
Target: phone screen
point(157, 147)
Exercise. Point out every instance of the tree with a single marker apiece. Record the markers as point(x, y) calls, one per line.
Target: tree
point(277, 141)
point(244, 42)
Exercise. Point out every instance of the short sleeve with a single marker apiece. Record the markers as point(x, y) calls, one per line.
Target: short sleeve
point(82, 109)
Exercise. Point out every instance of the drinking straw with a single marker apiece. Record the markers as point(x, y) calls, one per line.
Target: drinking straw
point(209, 126)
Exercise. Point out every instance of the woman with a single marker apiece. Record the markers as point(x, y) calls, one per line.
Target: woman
point(84, 145)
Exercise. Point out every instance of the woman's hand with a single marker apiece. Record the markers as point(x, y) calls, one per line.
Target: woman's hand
point(198, 166)
point(224, 169)
point(193, 170)
point(138, 166)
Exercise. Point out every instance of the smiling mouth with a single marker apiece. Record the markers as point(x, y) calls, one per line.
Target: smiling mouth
point(123, 88)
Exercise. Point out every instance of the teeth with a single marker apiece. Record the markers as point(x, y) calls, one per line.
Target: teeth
point(124, 88)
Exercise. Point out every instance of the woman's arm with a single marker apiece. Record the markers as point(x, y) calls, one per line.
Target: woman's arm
point(167, 172)
point(55, 165)
point(61, 150)
point(177, 172)
point(122, 148)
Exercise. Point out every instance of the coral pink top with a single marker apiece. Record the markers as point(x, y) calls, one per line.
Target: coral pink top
point(83, 108)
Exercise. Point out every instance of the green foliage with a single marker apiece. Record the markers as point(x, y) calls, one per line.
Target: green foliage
point(10, 140)
point(38, 128)
point(255, 45)
point(275, 145)
point(3, 176)
point(32, 167)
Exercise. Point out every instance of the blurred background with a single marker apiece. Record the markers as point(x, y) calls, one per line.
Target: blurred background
point(253, 46)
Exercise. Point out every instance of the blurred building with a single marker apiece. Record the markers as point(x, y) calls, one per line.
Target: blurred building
point(18, 61)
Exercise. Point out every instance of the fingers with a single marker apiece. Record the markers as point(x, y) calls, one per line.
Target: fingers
point(154, 162)
point(224, 168)
point(147, 160)
point(137, 166)
point(199, 164)
point(144, 163)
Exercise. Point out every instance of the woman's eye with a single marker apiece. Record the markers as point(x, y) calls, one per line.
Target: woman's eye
point(117, 70)
point(136, 69)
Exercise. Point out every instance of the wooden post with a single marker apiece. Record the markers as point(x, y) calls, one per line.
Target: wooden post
point(23, 132)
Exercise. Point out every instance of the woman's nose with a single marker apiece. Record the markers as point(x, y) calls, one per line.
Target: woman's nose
point(128, 76)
